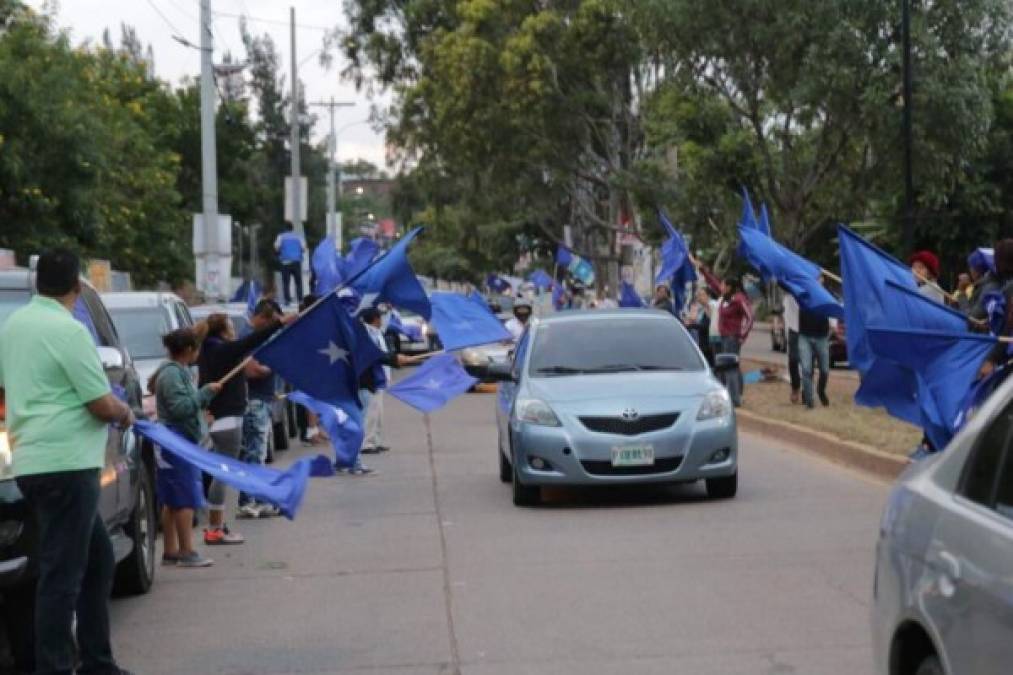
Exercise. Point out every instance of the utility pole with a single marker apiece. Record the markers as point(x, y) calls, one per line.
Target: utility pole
point(909, 185)
point(333, 218)
point(254, 271)
point(209, 165)
point(296, 184)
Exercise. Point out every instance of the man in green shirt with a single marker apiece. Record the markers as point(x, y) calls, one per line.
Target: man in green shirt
point(57, 403)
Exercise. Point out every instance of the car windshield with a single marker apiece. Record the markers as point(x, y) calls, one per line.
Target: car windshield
point(141, 330)
point(11, 300)
point(620, 346)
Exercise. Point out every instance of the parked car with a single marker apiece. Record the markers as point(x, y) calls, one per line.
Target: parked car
point(478, 360)
point(943, 592)
point(427, 342)
point(141, 319)
point(838, 343)
point(613, 397)
point(127, 500)
point(281, 419)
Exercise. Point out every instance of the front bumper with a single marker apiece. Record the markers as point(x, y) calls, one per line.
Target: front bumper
point(576, 456)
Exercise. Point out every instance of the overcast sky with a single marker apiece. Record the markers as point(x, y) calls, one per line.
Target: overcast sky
point(87, 19)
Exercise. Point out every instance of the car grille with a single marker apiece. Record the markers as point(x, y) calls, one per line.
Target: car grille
point(623, 427)
point(662, 465)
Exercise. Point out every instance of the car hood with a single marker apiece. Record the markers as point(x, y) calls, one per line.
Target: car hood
point(622, 386)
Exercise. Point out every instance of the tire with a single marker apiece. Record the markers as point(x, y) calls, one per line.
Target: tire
point(136, 572)
point(280, 433)
point(524, 495)
point(506, 472)
point(930, 665)
point(723, 488)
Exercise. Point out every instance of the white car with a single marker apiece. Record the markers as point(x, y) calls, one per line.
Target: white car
point(141, 319)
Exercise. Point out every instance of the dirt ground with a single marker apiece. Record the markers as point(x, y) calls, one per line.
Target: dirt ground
point(842, 419)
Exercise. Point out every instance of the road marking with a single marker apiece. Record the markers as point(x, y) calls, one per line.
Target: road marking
point(455, 658)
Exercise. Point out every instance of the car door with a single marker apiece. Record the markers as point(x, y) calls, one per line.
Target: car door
point(507, 391)
point(120, 447)
point(972, 556)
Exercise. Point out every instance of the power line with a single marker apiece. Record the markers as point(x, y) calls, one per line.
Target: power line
point(164, 17)
point(279, 22)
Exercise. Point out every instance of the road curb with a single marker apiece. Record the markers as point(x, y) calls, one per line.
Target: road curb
point(865, 458)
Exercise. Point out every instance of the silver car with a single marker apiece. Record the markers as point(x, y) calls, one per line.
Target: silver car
point(943, 595)
point(612, 398)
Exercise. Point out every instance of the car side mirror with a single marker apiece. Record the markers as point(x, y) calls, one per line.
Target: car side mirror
point(500, 372)
point(111, 358)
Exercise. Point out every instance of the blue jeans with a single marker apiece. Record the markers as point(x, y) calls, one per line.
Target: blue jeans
point(256, 427)
point(812, 348)
point(76, 566)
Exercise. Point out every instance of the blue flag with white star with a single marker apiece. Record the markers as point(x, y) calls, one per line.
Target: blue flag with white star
point(434, 384)
point(323, 353)
point(461, 322)
point(390, 279)
point(284, 489)
point(343, 425)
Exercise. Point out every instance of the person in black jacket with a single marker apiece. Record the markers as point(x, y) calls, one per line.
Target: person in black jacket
point(220, 354)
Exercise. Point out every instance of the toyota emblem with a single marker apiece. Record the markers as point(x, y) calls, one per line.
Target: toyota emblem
point(630, 415)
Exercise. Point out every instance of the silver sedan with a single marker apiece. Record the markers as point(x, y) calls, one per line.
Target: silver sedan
point(943, 595)
point(612, 398)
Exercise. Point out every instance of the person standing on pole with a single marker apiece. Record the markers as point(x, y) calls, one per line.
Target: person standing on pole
point(290, 247)
point(57, 402)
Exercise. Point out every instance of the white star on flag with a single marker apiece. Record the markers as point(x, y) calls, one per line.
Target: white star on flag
point(334, 353)
point(432, 385)
point(462, 325)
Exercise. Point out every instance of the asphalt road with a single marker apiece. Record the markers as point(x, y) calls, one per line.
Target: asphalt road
point(427, 567)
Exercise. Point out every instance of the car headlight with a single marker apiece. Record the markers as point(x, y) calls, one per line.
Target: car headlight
point(715, 404)
point(535, 411)
point(425, 329)
point(6, 457)
point(471, 357)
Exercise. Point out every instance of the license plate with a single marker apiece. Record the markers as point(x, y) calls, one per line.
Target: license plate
point(635, 455)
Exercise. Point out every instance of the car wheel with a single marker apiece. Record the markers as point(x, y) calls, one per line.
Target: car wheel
point(506, 472)
point(136, 572)
point(524, 495)
point(723, 488)
point(930, 665)
point(280, 433)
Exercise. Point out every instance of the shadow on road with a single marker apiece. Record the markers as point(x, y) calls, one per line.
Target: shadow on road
point(632, 496)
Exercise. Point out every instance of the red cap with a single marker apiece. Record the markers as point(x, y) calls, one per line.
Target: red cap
point(927, 258)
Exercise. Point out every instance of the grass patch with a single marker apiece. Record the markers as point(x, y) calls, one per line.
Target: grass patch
point(843, 419)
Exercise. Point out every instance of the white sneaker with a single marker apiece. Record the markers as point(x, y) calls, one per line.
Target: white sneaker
point(249, 510)
point(268, 511)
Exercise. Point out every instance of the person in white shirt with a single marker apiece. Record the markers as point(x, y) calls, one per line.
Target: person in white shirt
point(791, 326)
point(522, 314)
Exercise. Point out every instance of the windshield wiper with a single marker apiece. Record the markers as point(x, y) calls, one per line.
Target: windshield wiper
point(560, 370)
point(615, 368)
point(659, 368)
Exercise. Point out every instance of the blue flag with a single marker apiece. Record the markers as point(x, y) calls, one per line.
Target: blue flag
point(675, 265)
point(477, 297)
point(798, 276)
point(497, 284)
point(628, 296)
point(865, 270)
point(461, 322)
point(342, 424)
point(434, 384)
point(410, 331)
point(764, 224)
point(361, 252)
point(284, 489)
point(946, 364)
point(541, 279)
point(323, 353)
point(558, 297)
point(252, 297)
point(748, 214)
point(579, 268)
point(390, 279)
point(327, 266)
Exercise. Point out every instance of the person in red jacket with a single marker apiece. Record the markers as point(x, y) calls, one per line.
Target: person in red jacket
point(735, 320)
